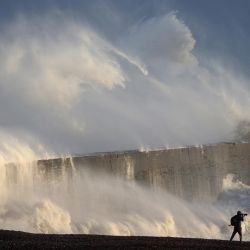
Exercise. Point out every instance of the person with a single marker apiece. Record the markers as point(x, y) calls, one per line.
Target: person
point(236, 223)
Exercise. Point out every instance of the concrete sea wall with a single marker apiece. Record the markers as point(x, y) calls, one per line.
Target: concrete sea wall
point(191, 172)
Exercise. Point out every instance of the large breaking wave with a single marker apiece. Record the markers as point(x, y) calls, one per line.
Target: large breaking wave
point(67, 200)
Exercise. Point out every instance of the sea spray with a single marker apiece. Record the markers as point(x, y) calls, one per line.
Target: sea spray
point(66, 199)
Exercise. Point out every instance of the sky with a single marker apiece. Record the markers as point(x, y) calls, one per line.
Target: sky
point(79, 77)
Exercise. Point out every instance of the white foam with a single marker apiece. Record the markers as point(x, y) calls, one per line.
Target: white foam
point(69, 200)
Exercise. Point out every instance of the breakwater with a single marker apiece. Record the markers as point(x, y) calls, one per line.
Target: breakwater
point(190, 172)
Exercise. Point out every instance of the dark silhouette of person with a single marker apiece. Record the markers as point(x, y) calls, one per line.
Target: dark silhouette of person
point(236, 222)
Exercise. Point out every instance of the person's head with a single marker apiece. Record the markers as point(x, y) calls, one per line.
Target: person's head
point(239, 213)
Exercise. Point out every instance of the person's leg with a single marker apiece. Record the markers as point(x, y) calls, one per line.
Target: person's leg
point(240, 234)
point(233, 234)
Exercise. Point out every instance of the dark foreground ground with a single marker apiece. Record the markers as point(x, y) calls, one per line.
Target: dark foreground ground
point(19, 240)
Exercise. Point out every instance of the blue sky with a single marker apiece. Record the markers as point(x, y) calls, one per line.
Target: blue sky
point(85, 76)
point(218, 26)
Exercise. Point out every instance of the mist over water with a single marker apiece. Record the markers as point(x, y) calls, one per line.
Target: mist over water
point(69, 200)
point(67, 87)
